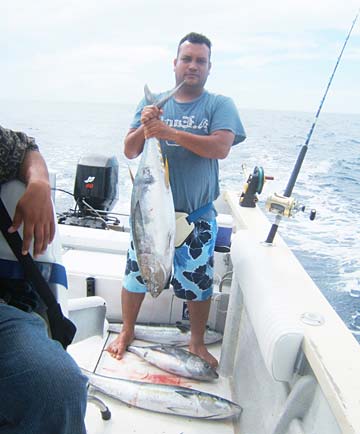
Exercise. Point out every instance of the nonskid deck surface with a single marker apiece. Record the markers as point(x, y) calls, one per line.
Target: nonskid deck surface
point(91, 355)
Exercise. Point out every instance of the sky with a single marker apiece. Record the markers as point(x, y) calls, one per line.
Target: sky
point(276, 54)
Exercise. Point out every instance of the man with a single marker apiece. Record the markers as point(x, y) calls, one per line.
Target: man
point(42, 389)
point(196, 130)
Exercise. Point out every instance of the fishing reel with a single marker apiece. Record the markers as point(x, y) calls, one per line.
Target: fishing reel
point(253, 186)
point(286, 206)
point(276, 203)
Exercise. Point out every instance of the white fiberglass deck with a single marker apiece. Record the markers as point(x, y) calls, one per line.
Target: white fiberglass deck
point(126, 419)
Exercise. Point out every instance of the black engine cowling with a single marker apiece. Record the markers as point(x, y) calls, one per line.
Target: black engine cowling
point(96, 182)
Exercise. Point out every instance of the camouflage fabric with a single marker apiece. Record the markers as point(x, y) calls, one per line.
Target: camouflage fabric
point(13, 146)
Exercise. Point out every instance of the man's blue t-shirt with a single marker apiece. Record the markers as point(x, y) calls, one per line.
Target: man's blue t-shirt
point(195, 180)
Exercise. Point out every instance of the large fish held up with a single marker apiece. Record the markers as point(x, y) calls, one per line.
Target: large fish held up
point(153, 219)
point(153, 215)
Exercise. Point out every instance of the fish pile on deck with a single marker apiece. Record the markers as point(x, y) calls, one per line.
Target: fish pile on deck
point(164, 398)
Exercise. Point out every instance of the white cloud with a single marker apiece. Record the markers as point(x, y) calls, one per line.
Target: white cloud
point(91, 50)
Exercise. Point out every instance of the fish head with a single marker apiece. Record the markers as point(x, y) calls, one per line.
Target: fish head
point(155, 276)
point(209, 406)
point(217, 407)
point(201, 369)
point(154, 290)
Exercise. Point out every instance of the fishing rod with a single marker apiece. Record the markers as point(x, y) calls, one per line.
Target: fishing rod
point(283, 205)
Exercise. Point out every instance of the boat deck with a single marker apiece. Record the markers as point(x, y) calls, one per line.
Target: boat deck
point(91, 355)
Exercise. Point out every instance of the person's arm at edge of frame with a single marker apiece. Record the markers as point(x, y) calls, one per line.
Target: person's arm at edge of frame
point(35, 208)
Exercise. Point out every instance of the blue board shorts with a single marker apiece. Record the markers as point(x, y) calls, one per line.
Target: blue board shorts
point(193, 273)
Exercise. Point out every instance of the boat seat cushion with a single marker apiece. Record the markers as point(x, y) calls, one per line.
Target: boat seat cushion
point(264, 274)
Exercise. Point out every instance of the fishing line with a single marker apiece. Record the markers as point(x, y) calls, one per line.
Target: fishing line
point(295, 172)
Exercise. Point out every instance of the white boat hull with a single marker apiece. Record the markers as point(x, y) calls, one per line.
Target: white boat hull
point(286, 357)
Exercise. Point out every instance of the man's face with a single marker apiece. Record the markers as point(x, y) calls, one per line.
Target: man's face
point(192, 64)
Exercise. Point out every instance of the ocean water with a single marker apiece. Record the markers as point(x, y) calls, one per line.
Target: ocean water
point(329, 181)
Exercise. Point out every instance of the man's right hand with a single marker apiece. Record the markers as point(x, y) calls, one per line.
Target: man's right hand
point(150, 112)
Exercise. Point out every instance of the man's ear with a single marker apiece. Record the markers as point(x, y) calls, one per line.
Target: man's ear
point(175, 62)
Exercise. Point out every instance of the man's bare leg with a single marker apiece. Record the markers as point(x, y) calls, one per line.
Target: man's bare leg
point(130, 305)
point(199, 313)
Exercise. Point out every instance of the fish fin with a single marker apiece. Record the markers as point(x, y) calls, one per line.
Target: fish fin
point(137, 211)
point(178, 410)
point(165, 99)
point(154, 346)
point(131, 174)
point(138, 229)
point(185, 393)
point(167, 176)
point(184, 328)
point(161, 348)
point(149, 96)
point(142, 347)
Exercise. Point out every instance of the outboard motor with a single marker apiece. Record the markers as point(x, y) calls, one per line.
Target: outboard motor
point(96, 183)
point(95, 193)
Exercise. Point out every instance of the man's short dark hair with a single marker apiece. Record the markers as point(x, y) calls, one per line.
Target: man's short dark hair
point(195, 38)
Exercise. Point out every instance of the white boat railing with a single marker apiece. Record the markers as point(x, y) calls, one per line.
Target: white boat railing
point(289, 317)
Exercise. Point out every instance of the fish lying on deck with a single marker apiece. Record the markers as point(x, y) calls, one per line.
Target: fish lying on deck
point(176, 361)
point(166, 334)
point(175, 400)
point(153, 215)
